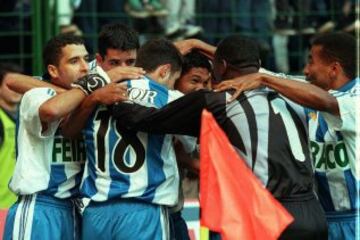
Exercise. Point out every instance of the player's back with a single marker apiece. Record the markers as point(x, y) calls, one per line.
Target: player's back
point(129, 164)
point(270, 133)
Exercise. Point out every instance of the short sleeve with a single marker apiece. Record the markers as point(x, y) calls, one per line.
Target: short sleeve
point(346, 120)
point(29, 111)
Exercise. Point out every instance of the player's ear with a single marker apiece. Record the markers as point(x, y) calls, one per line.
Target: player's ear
point(165, 70)
point(53, 71)
point(99, 58)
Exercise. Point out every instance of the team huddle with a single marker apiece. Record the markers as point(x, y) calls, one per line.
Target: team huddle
point(96, 141)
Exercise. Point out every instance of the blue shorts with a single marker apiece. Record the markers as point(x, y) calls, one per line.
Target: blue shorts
point(342, 225)
point(125, 219)
point(37, 216)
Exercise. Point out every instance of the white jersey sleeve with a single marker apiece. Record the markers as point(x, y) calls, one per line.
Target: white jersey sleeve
point(346, 121)
point(29, 111)
point(32, 169)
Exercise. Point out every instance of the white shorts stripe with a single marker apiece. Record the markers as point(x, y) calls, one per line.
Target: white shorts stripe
point(24, 218)
point(164, 220)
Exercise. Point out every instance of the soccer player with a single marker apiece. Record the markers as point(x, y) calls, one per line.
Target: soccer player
point(132, 177)
point(117, 50)
point(49, 167)
point(267, 130)
point(117, 46)
point(332, 129)
point(195, 75)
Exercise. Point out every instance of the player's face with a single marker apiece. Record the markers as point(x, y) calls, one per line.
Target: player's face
point(195, 79)
point(73, 64)
point(317, 71)
point(115, 58)
point(7, 95)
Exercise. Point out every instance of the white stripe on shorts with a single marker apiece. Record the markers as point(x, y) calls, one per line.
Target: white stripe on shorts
point(24, 218)
point(164, 221)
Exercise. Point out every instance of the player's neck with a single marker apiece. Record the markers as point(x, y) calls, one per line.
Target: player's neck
point(340, 82)
point(233, 73)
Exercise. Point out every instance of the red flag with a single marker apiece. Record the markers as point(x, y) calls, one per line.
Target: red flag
point(232, 200)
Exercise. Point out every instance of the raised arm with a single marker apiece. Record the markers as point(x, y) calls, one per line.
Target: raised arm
point(110, 94)
point(181, 116)
point(303, 93)
point(59, 106)
point(185, 46)
point(22, 83)
point(121, 73)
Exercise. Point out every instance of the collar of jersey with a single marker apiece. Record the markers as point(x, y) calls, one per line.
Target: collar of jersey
point(155, 82)
point(348, 85)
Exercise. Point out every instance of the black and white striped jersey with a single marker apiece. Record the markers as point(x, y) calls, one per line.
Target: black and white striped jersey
point(267, 130)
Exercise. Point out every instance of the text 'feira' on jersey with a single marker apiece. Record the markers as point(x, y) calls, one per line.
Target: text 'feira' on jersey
point(68, 151)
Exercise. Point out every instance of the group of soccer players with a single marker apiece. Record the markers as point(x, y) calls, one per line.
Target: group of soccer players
point(104, 144)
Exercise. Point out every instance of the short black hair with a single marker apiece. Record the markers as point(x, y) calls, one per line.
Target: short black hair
point(239, 50)
point(157, 52)
point(195, 59)
point(53, 48)
point(340, 47)
point(117, 36)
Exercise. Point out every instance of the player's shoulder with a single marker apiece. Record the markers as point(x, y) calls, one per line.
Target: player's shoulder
point(174, 94)
point(38, 92)
point(147, 84)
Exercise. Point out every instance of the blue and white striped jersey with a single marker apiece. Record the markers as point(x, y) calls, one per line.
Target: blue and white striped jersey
point(269, 132)
point(129, 164)
point(333, 146)
point(46, 162)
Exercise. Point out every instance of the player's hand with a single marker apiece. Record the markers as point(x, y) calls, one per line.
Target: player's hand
point(186, 46)
point(111, 93)
point(241, 84)
point(122, 73)
point(89, 83)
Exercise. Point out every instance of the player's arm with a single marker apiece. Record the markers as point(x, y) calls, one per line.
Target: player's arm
point(303, 93)
point(181, 116)
point(120, 73)
point(185, 46)
point(346, 120)
point(60, 105)
point(22, 83)
point(110, 94)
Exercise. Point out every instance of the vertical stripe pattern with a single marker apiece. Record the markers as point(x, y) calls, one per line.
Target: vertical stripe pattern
point(130, 164)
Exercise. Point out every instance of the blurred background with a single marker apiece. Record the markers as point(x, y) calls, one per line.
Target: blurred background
point(282, 27)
